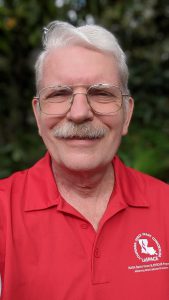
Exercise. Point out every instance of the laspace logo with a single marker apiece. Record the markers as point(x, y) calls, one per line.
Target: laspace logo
point(147, 248)
point(148, 251)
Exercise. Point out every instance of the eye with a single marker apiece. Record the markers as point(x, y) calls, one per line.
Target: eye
point(100, 93)
point(56, 94)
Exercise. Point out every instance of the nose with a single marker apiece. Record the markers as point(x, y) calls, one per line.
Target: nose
point(80, 110)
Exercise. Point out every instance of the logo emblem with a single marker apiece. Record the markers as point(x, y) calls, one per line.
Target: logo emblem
point(147, 248)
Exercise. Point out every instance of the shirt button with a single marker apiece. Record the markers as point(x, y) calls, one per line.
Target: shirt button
point(84, 225)
point(97, 253)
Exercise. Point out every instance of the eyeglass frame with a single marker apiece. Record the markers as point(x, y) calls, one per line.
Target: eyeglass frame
point(37, 97)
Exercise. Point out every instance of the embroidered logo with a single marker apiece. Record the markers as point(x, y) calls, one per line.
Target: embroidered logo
point(147, 248)
point(148, 251)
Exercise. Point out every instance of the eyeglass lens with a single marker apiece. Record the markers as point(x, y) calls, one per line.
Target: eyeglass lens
point(57, 100)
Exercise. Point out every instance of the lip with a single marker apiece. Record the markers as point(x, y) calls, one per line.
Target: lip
point(80, 142)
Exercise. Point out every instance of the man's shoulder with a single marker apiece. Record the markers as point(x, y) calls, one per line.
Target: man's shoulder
point(138, 175)
point(33, 188)
point(147, 179)
point(14, 177)
point(137, 185)
point(18, 177)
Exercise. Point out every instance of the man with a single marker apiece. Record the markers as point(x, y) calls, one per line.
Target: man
point(79, 224)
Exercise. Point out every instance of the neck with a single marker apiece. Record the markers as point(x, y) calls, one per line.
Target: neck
point(89, 192)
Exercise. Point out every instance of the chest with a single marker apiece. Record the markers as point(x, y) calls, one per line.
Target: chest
point(51, 253)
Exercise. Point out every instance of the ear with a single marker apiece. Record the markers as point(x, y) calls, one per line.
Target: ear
point(128, 112)
point(36, 110)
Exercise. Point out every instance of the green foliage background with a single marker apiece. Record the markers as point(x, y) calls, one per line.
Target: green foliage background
point(142, 28)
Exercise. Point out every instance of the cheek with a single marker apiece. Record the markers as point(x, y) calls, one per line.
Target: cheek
point(44, 127)
point(47, 124)
point(114, 122)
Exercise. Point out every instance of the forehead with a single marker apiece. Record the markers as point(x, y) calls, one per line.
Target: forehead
point(79, 65)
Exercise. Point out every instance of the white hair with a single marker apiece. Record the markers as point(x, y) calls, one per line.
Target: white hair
point(60, 34)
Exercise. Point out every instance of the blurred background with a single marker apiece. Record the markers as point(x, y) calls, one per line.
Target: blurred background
point(142, 28)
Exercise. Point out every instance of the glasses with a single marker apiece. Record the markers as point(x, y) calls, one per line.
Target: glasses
point(103, 99)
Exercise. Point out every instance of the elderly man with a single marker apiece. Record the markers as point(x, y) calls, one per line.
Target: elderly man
point(80, 225)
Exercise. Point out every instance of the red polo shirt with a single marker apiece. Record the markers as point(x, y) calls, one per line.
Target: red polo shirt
point(49, 251)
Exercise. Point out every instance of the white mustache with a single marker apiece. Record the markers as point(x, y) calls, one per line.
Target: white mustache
point(69, 130)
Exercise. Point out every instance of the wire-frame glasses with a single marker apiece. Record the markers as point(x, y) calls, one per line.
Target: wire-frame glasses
point(103, 98)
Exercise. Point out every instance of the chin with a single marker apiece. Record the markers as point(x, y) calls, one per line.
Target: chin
point(82, 160)
point(83, 164)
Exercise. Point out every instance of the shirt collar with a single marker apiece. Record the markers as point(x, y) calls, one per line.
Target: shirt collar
point(40, 191)
point(130, 184)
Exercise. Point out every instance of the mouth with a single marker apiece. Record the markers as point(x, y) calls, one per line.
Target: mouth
point(80, 142)
point(88, 138)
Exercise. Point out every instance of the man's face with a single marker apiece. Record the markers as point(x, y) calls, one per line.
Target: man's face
point(81, 66)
